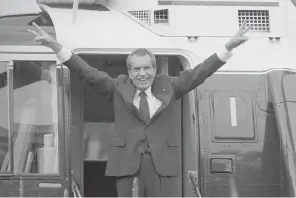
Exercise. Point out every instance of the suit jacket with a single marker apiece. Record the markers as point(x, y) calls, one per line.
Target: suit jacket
point(131, 129)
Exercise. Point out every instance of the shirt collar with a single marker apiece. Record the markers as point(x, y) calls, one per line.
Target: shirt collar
point(148, 92)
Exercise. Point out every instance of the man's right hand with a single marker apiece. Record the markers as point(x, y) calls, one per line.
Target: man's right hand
point(44, 39)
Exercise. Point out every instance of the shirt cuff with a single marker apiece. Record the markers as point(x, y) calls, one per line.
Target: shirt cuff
point(224, 55)
point(64, 55)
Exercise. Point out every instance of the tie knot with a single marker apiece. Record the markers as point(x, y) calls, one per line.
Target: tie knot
point(143, 94)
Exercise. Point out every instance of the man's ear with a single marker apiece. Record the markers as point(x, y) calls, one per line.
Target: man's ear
point(129, 72)
point(156, 70)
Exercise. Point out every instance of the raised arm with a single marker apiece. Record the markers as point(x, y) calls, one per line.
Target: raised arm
point(190, 79)
point(95, 78)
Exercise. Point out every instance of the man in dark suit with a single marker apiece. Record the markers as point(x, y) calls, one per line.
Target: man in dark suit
point(144, 143)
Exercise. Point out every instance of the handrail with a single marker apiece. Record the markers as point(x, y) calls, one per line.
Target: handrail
point(75, 188)
point(135, 188)
point(192, 178)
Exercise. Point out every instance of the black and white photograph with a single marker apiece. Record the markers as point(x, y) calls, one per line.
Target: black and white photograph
point(147, 98)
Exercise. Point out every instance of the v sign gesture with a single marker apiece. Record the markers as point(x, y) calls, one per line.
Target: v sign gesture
point(44, 39)
point(238, 38)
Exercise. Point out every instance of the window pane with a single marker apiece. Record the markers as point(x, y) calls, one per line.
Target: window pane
point(4, 128)
point(35, 132)
point(17, 20)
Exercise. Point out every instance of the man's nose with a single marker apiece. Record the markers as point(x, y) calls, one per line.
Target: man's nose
point(142, 72)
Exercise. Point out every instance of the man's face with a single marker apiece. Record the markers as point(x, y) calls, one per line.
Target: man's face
point(141, 71)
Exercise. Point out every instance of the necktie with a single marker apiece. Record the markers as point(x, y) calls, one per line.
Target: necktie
point(144, 107)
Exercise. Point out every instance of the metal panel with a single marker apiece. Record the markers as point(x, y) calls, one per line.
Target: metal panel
point(67, 125)
point(76, 137)
point(9, 188)
point(253, 159)
point(283, 88)
point(220, 165)
point(10, 112)
point(64, 124)
point(54, 188)
point(232, 123)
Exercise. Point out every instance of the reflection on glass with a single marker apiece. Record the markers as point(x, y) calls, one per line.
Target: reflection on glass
point(4, 128)
point(96, 138)
point(35, 132)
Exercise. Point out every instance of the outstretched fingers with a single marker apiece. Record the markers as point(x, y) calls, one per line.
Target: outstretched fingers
point(33, 32)
point(41, 31)
point(243, 29)
point(246, 29)
point(40, 35)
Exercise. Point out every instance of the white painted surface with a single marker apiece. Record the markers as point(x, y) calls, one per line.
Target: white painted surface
point(133, 4)
point(109, 29)
point(18, 7)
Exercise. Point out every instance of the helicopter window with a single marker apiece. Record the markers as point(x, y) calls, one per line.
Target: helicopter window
point(161, 16)
point(41, 19)
point(13, 29)
point(90, 6)
point(4, 123)
point(34, 137)
point(17, 20)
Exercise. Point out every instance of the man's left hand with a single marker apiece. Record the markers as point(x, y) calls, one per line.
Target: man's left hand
point(238, 38)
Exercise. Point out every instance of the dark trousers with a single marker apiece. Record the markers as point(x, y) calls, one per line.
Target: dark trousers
point(150, 183)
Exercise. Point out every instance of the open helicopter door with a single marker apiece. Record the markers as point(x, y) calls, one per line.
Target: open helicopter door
point(34, 126)
point(240, 147)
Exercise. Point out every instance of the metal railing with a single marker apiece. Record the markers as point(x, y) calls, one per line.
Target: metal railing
point(193, 177)
point(75, 188)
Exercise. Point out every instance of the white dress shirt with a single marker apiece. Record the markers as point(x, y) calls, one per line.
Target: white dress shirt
point(153, 102)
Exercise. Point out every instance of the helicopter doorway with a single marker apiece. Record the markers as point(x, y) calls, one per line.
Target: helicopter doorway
point(97, 119)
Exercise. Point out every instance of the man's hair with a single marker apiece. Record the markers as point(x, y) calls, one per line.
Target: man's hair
point(141, 52)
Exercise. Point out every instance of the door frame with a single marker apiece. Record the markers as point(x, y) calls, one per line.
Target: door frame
point(9, 54)
point(188, 61)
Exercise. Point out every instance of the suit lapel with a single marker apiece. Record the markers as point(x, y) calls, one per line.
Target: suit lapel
point(128, 93)
point(162, 91)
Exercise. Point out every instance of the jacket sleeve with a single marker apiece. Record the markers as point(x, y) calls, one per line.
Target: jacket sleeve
point(99, 80)
point(190, 79)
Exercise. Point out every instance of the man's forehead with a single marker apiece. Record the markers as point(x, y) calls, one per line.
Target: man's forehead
point(137, 60)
